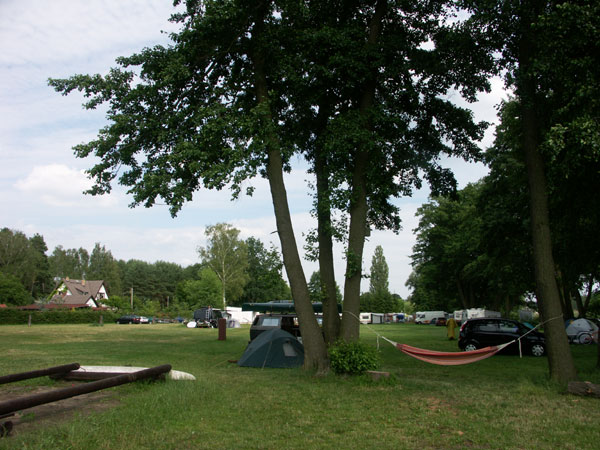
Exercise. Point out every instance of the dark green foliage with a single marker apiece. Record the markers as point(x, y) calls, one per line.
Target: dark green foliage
point(317, 290)
point(353, 358)
point(25, 259)
point(207, 291)
point(72, 263)
point(11, 316)
point(382, 302)
point(264, 271)
point(12, 291)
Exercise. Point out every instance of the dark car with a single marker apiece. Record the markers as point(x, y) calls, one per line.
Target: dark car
point(129, 318)
point(265, 322)
point(479, 333)
point(440, 322)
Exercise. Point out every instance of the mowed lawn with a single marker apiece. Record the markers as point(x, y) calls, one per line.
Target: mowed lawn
point(503, 402)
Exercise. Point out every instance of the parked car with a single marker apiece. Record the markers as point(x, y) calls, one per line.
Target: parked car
point(440, 322)
point(479, 333)
point(264, 322)
point(144, 319)
point(129, 318)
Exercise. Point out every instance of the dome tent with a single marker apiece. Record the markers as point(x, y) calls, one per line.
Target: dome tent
point(274, 348)
point(582, 331)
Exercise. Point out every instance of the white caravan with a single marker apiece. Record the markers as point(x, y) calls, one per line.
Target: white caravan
point(425, 317)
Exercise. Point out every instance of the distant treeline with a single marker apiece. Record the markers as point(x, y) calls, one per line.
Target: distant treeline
point(28, 273)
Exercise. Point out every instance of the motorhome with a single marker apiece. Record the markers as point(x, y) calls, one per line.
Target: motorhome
point(426, 317)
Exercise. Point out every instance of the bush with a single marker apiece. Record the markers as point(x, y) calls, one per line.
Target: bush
point(13, 316)
point(353, 358)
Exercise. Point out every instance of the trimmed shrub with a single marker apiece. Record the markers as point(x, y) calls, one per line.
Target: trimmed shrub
point(12, 316)
point(353, 358)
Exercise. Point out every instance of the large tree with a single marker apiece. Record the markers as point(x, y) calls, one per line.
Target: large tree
point(235, 96)
point(103, 266)
point(549, 51)
point(25, 259)
point(72, 263)
point(380, 273)
point(375, 118)
point(227, 255)
point(265, 282)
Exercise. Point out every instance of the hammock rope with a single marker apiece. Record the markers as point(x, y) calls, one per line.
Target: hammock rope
point(453, 358)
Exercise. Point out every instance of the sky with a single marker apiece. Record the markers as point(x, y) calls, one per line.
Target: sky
point(42, 182)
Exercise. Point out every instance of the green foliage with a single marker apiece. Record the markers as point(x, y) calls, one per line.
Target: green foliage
point(103, 266)
point(12, 291)
point(379, 275)
point(207, 291)
point(72, 263)
point(25, 259)
point(227, 256)
point(265, 282)
point(353, 358)
point(382, 302)
point(318, 292)
point(11, 316)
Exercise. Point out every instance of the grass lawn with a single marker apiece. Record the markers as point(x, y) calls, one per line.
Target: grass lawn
point(503, 402)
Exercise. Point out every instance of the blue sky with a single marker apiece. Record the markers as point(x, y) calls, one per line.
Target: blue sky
point(41, 181)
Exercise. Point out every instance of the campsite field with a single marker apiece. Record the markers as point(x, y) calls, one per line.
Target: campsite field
point(502, 402)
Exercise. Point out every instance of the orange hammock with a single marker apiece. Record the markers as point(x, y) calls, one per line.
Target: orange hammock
point(448, 358)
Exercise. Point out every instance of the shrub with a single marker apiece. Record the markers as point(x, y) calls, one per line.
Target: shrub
point(12, 316)
point(353, 358)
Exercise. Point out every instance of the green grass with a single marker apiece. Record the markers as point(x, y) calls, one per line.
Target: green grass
point(503, 402)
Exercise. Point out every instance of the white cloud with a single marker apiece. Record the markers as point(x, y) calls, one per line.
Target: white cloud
point(60, 186)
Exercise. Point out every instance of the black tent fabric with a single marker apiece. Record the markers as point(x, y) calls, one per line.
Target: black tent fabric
point(274, 348)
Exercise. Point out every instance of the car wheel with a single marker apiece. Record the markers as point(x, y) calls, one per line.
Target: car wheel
point(470, 347)
point(537, 350)
point(585, 338)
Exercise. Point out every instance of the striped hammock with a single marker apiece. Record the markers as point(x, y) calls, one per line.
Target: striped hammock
point(448, 358)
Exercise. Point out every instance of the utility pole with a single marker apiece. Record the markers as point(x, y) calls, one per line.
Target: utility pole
point(131, 293)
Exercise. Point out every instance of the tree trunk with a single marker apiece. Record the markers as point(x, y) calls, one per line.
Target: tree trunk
point(315, 351)
point(562, 368)
point(358, 202)
point(461, 294)
point(564, 295)
point(331, 318)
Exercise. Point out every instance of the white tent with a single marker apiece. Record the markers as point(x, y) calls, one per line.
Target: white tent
point(582, 331)
point(239, 315)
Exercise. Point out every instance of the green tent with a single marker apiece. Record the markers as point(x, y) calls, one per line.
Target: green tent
point(273, 348)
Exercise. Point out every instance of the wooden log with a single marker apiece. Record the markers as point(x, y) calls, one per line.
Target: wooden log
point(30, 401)
point(39, 373)
point(584, 388)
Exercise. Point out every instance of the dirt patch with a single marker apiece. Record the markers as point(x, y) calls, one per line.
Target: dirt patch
point(55, 413)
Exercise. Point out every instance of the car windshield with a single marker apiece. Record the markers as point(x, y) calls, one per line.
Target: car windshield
point(271, 321)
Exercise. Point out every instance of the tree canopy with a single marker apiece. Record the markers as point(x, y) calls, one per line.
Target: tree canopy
point(227, 256)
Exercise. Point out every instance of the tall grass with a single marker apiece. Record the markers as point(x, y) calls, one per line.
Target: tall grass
point(502, 402)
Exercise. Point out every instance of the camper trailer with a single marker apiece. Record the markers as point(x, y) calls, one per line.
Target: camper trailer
point(462, 315)
point(368, 317)
point(480, 313)
point(427, 317)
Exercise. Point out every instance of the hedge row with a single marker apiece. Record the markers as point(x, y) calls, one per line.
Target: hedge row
point(9, 316)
